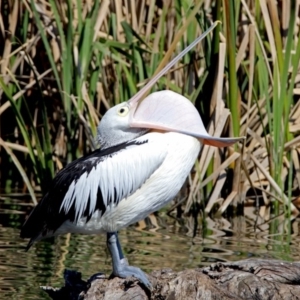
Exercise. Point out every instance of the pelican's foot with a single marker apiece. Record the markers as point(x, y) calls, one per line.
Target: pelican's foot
point(120, 264)
point(123, 270)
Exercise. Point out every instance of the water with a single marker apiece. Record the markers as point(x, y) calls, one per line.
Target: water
point(159, 242)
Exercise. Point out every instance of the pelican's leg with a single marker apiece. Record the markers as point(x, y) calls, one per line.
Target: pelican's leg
point(119, 262)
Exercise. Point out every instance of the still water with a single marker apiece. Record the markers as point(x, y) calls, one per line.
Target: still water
point(160, 241)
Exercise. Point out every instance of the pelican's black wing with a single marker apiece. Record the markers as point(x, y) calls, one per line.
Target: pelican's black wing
point(93, 183)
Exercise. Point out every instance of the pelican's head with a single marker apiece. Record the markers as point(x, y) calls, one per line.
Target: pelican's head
point(165, 111)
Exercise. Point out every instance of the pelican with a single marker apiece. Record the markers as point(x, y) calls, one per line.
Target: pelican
point(147, 150)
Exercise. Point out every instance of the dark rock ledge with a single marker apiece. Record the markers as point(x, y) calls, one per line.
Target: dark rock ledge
point(245, 279)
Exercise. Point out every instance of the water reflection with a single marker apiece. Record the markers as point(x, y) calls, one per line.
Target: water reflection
point(158, 242)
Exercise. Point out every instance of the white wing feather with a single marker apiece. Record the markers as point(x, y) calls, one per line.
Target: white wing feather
point(117, 176)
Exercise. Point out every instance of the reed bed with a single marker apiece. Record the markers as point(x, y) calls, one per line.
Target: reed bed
point(64, 63)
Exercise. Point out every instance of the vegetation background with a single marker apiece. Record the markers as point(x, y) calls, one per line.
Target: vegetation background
point(64, 63)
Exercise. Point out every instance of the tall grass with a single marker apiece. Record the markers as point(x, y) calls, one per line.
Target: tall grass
point(63, 64)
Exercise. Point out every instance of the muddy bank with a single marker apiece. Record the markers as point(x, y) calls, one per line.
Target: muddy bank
point(246, 279)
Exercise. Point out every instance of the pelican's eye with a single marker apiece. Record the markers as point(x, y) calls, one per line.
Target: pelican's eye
point(123, 111)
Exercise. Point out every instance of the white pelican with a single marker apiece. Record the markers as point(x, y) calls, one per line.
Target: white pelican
point(147, 151)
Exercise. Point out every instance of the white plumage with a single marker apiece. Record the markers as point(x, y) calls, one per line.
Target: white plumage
point(159, 167)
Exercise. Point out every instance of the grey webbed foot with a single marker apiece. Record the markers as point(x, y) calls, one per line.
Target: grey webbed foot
point(121, 268)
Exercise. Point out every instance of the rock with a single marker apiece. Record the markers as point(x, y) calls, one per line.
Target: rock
point(246, 279)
